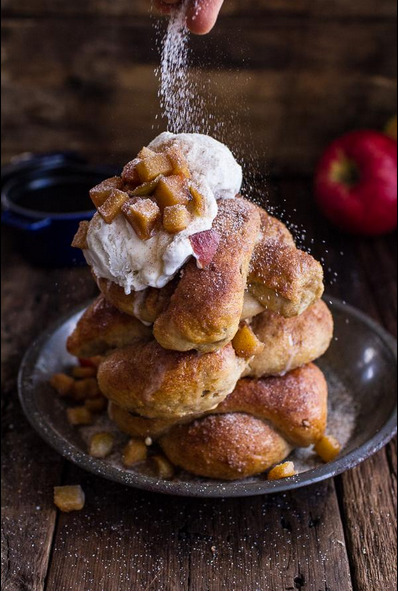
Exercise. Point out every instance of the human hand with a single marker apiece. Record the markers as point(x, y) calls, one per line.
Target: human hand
point(201, 14)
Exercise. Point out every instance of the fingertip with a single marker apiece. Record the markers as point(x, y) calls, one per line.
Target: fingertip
point(202, 21)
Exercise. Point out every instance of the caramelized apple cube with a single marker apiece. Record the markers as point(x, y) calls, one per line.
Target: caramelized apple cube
point(163, 468)
point(171, 191)
point(96, 405)
point(197, 201)
point(80, 238)
point(100, 193)
point(150, 168)
point(134, 452)
point(180, 165)
point(113, 205)
point(130, 173)
point(246, 344)
point(175, 218)
point(145, 153)
point(327, 448)
point(145, 189)
point(282, 471)
point(87, 388)
point(69, 498)
point(62, 383)
point(143, 215)
point(79, 416)
point(101, 444)
point(84, 372)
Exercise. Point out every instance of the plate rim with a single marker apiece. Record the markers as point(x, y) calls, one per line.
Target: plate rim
point(199, 489)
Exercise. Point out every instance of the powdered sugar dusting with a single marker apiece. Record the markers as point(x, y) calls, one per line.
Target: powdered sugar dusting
point(341, 422)
point(178, 101)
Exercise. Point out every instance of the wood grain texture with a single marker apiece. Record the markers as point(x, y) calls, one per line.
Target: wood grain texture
point(324, 8)
point(92, 87)
point(30, 469)
point(366, 278)
point(290, 542)
point(374, 479)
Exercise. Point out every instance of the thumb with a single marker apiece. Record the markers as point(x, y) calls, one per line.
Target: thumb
point(202, 15)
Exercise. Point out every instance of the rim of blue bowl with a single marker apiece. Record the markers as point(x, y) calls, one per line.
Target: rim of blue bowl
point(75, 170)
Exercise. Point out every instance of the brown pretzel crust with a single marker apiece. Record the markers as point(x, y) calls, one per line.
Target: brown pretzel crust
point(102, 327)
point(283, 412)
point(146, 379)
point(231, 446)
point(281, 277)
point(206, 307)
point(290, 342)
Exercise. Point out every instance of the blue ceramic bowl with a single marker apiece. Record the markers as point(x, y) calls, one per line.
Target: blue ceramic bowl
point(44, 201)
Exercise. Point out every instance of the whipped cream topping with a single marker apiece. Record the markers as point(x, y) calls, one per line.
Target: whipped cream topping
point(116, 253)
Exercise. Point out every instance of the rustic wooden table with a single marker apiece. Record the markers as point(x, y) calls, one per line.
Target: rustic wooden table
point(336, 535)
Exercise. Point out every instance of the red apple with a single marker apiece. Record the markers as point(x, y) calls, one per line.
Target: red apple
point(205, 245)
point(356, 183)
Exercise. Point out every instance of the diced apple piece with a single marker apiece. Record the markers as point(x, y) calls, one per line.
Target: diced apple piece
point(145, 189)
point(205, 245)
point(79, 416)
point(172, 191)
point(80, 238)
point(180, 165)
point(197, 202)
point(100, 193)
point(84, 372)
point(87, 388)
point(246, 344)
point(143, 215)
point(145, 153)
point(327, 448)
point(164, 469)
point(96, 405)
point(175, 218)
point(62, 383)
point(69, 498)
point(282, 471)
point(101, 444)
point(113, 205)
point(130, 174)
point(134, 452)
point(150, 168)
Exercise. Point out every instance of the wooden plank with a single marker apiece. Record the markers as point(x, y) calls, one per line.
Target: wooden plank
point(324, 8)
point(367, 279)
point(301, 90)
point(30, 469)
point(369, 492)
point(368, 496)
point(288, 542)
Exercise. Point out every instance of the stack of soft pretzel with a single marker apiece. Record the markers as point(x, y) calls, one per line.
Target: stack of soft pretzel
point(217, 365)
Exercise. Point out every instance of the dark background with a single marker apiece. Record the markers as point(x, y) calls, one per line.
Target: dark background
point(79, 74)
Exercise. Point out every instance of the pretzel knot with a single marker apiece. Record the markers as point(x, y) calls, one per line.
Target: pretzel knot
point(217, 365)
point(255, 427)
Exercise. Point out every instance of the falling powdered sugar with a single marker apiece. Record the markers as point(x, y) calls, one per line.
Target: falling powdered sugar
point(176, 93)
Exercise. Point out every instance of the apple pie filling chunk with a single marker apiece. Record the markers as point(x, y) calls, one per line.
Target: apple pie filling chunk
point(153, 192)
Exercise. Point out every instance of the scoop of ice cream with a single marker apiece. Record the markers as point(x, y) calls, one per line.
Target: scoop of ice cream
point(116, 253)
point(211, 163)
